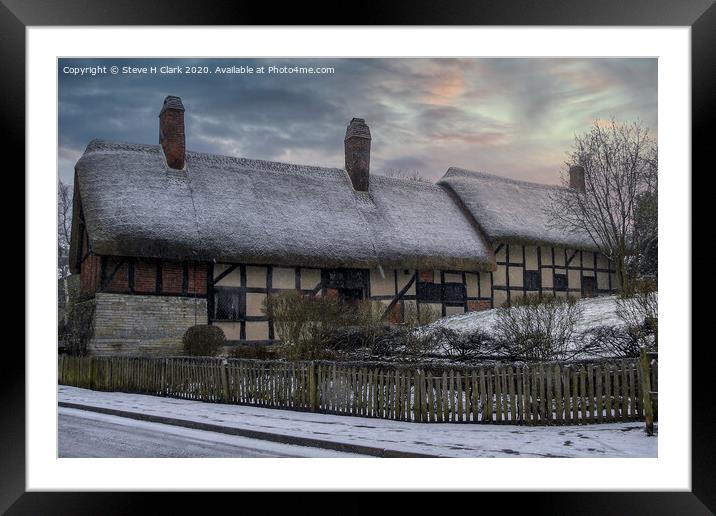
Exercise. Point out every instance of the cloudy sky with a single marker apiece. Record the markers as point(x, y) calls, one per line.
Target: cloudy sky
point(510, 117)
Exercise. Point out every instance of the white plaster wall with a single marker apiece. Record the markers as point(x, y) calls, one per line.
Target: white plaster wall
point(257, 330)
point(472, 284)
point(499, 276)
point(451, 277)
point(310, 278)
point(403, 279)
point(531, 262)
point(256, 276)
point(232, 330)
point(454, 310)
point(283, 277)
point(254, 303)
point(516, 277)
point(485, 286)
point(233, 279)
point(559, 256)
point(546, 255)
point(499, 297)
point(515, 253)
point(382, 286)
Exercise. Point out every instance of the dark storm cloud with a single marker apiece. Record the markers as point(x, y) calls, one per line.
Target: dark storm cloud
point(514, 117)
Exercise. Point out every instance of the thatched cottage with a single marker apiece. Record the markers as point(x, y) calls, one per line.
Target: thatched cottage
point(164, 238)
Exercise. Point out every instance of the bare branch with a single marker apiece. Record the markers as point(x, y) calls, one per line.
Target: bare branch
point(618, 208)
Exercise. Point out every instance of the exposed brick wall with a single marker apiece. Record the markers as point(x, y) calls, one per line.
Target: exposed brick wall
point(145, 276)
point(197, 278)
point(130, 324)
point(426, 276)
point(90, 271)
point(478, 305)
point(172, 277)
point(119, 282)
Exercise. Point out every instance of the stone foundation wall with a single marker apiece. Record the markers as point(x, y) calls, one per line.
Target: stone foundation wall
point(143, 325)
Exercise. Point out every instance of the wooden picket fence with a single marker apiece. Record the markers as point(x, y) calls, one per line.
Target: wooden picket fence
point(528, 394)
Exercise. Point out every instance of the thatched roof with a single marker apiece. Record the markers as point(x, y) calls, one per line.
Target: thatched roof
point(241, 210)
point(512, 211)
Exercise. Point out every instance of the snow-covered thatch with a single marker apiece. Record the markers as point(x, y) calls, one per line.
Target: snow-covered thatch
point(512, 211)
point(241, 210)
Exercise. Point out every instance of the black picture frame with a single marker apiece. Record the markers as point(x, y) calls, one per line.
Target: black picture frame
point(700, 15)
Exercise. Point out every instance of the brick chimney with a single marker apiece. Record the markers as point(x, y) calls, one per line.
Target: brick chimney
point(576, 178)
point(357, 145)
point(171, 132)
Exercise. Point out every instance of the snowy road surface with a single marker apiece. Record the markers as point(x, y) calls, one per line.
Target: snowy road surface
point(441, 439)
point(89, 434)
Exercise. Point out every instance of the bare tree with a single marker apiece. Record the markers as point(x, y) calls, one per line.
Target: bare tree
point(404, 173)
point(618, 206)
point(64, 228)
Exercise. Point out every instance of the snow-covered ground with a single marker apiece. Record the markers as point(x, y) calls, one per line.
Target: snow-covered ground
point(447, 440)
point(596, 311)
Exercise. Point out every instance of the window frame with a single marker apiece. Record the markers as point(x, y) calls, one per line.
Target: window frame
point(238, 295)
point(556, 284)
point(535, 281)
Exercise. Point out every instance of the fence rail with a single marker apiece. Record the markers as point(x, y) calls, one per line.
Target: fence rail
point(535, 394)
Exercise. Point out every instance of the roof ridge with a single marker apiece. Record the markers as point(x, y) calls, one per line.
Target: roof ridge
point(404, 181)
point(99, 145)
point(455, 171)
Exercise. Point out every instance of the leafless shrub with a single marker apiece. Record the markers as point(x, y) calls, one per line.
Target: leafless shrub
point(313, 328)
point(467, 346)
point(252, 351)
point(639, 311)
point(609, 342)
point(80, 326)
point(537, 329)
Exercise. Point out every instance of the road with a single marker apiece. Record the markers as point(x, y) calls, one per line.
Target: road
point(89, 434)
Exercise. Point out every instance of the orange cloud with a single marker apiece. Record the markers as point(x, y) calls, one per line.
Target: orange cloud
point(449, 84)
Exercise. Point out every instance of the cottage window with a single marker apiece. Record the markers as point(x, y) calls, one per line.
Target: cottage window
point(429, 292)
point(532, 280)
point(454, 293)
point(589, 286)
point(351, 284)
point(438, 293)
point(230, 304)
point(560, 282)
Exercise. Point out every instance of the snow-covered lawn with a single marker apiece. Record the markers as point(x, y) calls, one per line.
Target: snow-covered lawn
point(448, 440)
point(596, 311)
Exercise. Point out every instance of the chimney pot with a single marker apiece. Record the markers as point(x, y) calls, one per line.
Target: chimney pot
point(357, 148)
point(171, 132)
point(576, 178)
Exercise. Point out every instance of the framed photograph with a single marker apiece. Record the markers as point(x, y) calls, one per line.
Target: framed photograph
point(257, 254)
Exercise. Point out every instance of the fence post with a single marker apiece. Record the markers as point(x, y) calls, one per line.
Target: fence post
point(312, 387)
point(91, 372)
point(225, 380)
point(163, 377)
point(646, 391)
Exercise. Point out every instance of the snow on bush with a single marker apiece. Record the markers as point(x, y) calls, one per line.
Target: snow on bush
point(598, 327)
